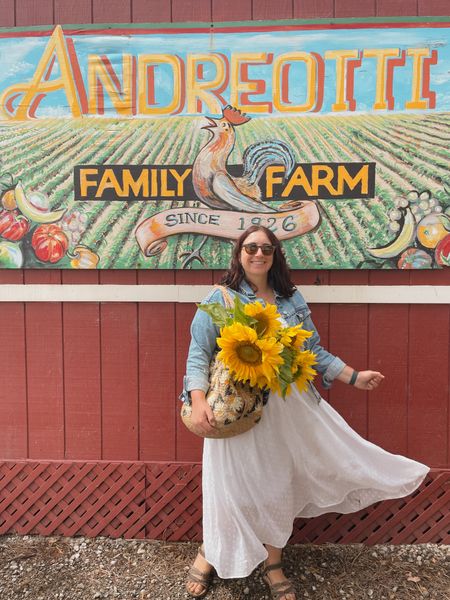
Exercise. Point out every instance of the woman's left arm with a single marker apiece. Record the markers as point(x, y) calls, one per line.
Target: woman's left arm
point(330, 366)
point(363, 380)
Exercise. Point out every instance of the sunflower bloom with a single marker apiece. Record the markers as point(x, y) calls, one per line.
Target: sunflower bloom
point(267, 318)
point(272, 359)
point(303, 369)
point(263, 382)
point(275, 386)
point(247, 357)
point(294, 337)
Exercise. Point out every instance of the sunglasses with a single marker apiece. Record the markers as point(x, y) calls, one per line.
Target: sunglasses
point(266, 249)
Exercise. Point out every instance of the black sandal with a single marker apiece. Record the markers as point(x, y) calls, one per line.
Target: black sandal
point(279, 590)
point(196, 576)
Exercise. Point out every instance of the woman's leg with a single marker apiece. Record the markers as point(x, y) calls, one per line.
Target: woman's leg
point(276, 575)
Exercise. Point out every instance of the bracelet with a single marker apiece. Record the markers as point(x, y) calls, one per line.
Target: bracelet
point(353, 377)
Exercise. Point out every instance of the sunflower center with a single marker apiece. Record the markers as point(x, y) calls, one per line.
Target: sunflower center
point(249, 353)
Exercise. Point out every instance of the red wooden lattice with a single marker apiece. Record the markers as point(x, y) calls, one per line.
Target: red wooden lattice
point(174, 501)
point(419, 518)
point(71, 498)
point(163, 501)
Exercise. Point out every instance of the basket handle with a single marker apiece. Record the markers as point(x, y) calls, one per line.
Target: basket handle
point(229, 302)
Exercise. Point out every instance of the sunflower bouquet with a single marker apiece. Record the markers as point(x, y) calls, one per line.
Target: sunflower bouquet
point(257, 348)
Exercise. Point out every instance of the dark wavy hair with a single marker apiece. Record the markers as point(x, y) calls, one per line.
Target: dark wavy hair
point(279, 275)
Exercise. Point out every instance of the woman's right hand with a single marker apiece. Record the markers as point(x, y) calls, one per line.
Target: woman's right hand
point(202, 417)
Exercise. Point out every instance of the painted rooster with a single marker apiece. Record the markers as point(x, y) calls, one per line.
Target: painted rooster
point(215, 187)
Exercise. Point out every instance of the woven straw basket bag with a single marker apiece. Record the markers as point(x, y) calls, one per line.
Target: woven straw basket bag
point(237, 407)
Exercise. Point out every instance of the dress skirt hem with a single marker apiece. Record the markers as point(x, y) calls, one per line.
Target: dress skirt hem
point(302, 460)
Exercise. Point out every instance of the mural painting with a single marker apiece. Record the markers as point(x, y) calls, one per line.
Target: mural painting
point(155, 147)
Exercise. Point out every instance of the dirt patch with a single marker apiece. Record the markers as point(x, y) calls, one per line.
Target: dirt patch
point(53, 568)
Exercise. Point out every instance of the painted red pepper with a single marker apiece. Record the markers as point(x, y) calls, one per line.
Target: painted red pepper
point(49, 243)
point(13, 225)
point(442, 252)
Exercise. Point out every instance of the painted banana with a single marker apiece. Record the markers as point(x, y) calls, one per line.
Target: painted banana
point(32, 212)
point(404, 239)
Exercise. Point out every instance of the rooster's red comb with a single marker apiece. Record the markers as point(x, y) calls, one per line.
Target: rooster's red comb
point(234, 116)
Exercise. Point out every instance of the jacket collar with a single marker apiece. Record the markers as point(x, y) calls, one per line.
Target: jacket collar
point(246, 289)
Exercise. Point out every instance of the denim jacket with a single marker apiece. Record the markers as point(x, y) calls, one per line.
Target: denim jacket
point(204, 334)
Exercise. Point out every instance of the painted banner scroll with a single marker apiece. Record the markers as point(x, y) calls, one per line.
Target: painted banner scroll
point(154, 147)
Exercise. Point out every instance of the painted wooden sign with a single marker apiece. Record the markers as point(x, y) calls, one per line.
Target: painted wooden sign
point(155, 147)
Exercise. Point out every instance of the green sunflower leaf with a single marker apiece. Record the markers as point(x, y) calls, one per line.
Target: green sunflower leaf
point(239, 314)
point(285, 375)
point(217, 312)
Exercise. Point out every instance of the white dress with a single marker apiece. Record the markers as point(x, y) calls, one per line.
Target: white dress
point(301, 460)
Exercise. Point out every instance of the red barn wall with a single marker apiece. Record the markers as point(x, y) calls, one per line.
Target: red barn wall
point(99, 381)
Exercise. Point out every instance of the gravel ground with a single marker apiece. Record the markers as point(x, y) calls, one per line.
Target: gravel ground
point(51, 568)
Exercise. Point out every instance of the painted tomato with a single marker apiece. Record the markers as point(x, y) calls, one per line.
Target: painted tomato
point(13, 226)
point(49, 243)
point(414, 259)
point(442, 252)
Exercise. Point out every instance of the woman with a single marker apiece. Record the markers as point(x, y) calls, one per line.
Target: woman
point(301, 460)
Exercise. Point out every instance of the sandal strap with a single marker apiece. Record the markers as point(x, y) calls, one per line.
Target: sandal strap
point(283, 593)
point(281, 587)
point(272, 567)
point(198, 576)
point(279, 594)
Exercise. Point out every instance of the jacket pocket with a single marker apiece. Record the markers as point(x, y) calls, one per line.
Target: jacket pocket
point(297, 315)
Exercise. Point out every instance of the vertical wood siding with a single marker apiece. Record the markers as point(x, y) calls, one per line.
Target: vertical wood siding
point(100, 381)
point(39, 12)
